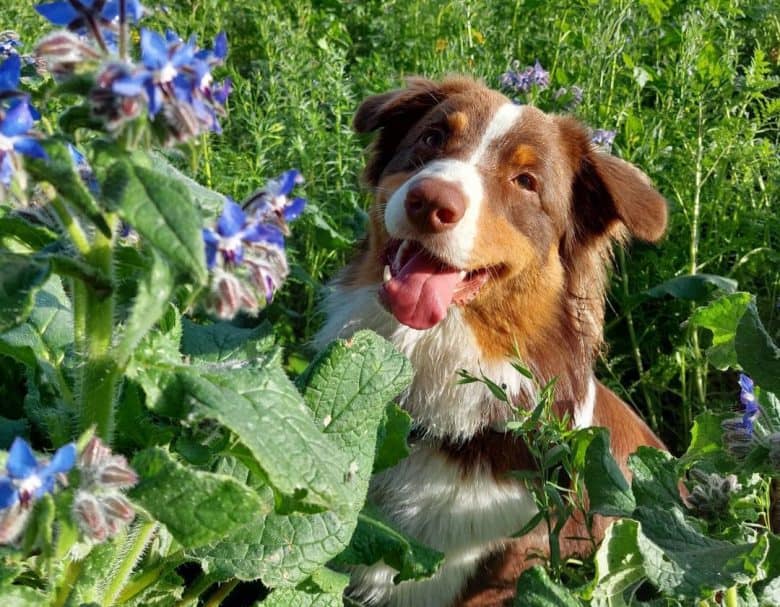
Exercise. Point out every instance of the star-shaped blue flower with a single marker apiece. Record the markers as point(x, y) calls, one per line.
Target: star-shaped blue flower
point(273, 202)
point(75, 14)
point(748, 399)
point(10, 71)
point(234, 229)
point(28, 480)
point(14, 137)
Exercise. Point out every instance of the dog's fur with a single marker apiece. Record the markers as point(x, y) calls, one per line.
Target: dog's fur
point(523, 206)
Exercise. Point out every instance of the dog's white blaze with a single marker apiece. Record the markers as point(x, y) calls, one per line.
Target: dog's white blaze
point(453, 246)
point(502, 123)
point(583, 414)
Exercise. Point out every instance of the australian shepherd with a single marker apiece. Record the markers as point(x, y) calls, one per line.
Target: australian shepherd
point(490, 235)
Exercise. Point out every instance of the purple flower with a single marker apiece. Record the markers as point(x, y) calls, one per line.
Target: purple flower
point(603, 138)
point(524, 81)
point(572, 96)
point(273, 202)
point(27, 480)
point(15, 138)
point(234, 231)
point(748, 400)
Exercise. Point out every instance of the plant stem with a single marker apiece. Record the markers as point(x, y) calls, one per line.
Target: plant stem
point(99, 372)
point(731, 598)
point(71, 224)
point(199, 586)
point(215, 600)
point(66, 584)
point(143, 534)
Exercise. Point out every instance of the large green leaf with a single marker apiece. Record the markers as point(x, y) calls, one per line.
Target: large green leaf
point(536, 589)
point(197, 507)
point(375, 539)
point(20, 279)
point(619, 565)
point(222, 341)
point(654, 482)
point(347, 388)
point(159, 207)
point(393, 432)
point(722, 317)
point(757, 353)
point(292, 597)
point(42, 341)
point(608, 491)
point(693, 287)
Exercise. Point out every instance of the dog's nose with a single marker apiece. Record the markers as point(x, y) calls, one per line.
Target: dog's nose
point(434, 205)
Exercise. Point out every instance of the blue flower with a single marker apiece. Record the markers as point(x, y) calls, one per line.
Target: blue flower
point(27, 479)
point(603, 138)
point(82, 14)
point(9, 44)
point(14, 137)
point(234, 231)
point(273, 202)
point(748, 399)
point(84, 169)
point(524, 81)
point(10, 71)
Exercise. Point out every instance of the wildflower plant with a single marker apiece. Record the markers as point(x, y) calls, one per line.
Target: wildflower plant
point(172, 441)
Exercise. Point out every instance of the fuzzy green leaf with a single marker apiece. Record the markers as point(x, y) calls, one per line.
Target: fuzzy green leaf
point(757, 353)
point(222, 341)
point(693, 287)
point(608, 491)
point(20, 280)
point(536, 589)
point(722, 317)
point(391, 438)
point(159, 208)
point(654, 481)
point(292, 597)
point(619, 565)
point(376, 539)
point(197, 507)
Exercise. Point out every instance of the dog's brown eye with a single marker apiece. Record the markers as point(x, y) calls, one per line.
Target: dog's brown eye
point(432, 139)
point(525, 181)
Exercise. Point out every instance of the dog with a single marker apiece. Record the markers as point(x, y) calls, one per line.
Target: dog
point(490, 236)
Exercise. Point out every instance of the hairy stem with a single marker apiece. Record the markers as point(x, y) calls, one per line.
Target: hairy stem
point(215, 600)
point(138, 542)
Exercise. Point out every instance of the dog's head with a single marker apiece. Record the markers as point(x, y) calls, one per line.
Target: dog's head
point(495, 207)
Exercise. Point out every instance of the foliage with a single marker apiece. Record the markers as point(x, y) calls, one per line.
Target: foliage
point(118, 332)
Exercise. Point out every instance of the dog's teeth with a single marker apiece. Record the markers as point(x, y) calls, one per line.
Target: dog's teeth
point(399, 254)
point(462, 274)
point(386, 275)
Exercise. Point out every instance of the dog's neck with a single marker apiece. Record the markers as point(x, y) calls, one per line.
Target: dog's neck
point(445, 409)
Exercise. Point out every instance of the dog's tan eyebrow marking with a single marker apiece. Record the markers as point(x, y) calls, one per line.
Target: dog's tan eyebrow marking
point(458, 121)
point(524, 155)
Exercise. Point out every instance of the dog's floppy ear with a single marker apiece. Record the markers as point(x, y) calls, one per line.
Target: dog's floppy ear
point(394, 113)
point(608, 191)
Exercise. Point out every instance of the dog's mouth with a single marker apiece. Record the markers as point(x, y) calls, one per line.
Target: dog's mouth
point(418, 288)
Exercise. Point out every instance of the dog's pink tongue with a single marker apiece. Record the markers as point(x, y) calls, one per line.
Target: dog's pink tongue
point(419, 295)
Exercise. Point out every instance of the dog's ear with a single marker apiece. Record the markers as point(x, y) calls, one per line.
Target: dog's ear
point(609, 192)
point(394, 113)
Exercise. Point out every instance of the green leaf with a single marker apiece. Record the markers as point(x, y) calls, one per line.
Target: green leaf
point(20, 280)
point(670, 544)
point(159, 208)
point(151, 301)
point(22, 596)
point(391, 438)
point(10, 429)
point(221, 341)
point(325, 580)
point(347, 386)
point(693, 287)
point(376, 539)
point(208, 201)
point(291, 597)
point(197, 507)
point(707, 442)
point(59, 170)
point(536, 589)
point(42, 341)
point(14, 228)
point(607, 488)
point(619, 565)
point(722, 317)
point(654, 481)
point(757, 353)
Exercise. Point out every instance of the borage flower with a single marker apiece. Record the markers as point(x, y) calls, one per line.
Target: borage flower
point(99, 507)
point(9, 44)
point(738, 432)
point(15, 138)
point(245, 252)
point(524, 81)
point(98, 17)
point(175, 80)
point(10, 72)
point(603, 138)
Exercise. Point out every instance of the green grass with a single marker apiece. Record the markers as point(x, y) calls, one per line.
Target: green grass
point(691, 87)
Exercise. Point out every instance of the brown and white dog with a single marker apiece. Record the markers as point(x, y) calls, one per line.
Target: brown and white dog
point(491, 230)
